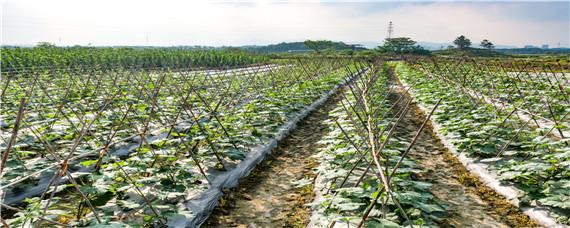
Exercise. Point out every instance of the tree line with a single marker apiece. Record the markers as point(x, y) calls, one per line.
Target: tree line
point(49, 56)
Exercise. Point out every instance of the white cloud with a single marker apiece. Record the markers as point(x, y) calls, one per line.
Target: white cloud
point(177, 22)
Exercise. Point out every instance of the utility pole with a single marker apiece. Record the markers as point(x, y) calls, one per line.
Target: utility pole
point(390, 29)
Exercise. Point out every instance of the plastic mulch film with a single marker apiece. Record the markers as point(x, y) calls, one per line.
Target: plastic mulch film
point(203, 204)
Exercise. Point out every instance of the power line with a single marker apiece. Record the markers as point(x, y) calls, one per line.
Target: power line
point(390, 29)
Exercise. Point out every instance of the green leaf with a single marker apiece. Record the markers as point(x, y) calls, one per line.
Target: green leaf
point(349, 206)
point(382, 223)
point(560, 201)
point(88, 163)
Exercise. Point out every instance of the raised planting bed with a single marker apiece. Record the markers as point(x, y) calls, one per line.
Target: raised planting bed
point(146, 147)
point(522, 163)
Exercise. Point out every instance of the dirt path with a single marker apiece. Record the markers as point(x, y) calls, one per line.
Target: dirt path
point(269, 196)
point(469, 202)
point(465, 207)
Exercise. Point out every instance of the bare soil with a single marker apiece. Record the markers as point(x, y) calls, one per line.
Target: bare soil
point(269, 196)
point(469, 202)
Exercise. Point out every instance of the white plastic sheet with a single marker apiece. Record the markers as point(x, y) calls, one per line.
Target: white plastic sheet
point(491, 180)
point(203, 204)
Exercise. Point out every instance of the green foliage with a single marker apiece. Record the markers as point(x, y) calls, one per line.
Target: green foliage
point(181, 143)
point(562, 52)
point(462, 42)
point(301, 47)
point(537, 164)
point(470, 52)
point(402, 45)
point(45, 56)
point(330, 46)
point(487, 44)
point(318, 45)
point(338, 156)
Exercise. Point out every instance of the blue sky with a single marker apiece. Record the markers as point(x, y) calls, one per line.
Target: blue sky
point(179, 22)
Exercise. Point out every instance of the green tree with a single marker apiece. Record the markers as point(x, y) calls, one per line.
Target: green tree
point(45, 45)
point(399, 44)
point(487, 44)
point(462, 42)
point(318, 45)
point(402, 45)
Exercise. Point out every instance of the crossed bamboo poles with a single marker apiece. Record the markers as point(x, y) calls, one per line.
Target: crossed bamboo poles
point(365, 119)
point(487, 81)
point(452, 75)
point(212, 94)
point(363, 105)
point(505, 114)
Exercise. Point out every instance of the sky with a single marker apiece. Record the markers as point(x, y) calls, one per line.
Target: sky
point(218, 23)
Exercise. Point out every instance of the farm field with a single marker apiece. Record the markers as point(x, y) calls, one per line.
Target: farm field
point(508, 135)
point(469, 164)
point(133, 146)
point(272, 113)
point(358, 142)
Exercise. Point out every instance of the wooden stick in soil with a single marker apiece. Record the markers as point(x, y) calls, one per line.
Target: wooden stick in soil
point(365, 217)
point(4, 223)
point(380, 173)
point(50, 149)
point(350, 115)
point(380, 135)
point(553, 127)
point(372, 143)
point(414, 140)
point(139, 192)
point(192, 152)
point(512, 138)
point(214, 113)
point(39, 217)
point(63, 170)
point(23, 178)
point(14, 135)
point(370, 207)
point(207, 138)
point(362, 155)
point(556, 123)
point(402, 113)
point(110, 139)
point(55, 177)
point(4, 91)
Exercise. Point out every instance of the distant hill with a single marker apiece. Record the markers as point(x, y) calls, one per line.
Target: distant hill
point(296, 47)
point(473, 52)
point(535, 51)
point(432, 46)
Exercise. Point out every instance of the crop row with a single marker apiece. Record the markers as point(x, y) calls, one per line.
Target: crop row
point(50, 57)
point(132, 146)
point(516, 152)
point(365, 175)
point(540, 94)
